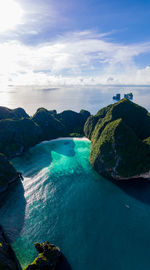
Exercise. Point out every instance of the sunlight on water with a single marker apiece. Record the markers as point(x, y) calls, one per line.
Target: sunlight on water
point(97, 224)
point(91, 98)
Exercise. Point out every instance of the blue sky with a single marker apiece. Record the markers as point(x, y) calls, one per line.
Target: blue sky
point(76, 42)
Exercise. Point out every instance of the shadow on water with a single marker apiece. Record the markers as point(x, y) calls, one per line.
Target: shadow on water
point(64, 147)
point(40, 156)
point(13, 202)
point(137, 188)
point(12, 210)
point(63, 264)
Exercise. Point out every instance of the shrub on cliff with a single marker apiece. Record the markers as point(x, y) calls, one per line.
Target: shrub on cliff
point(17, 136)
point(120, 140)
point(6, 113)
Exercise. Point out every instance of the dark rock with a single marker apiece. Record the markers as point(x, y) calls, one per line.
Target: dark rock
point(8, 173)
point(7, 257)
point(48, 257)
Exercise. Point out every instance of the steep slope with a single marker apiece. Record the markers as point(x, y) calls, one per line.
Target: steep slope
point(73, 121)
point(6, 113)
point(16, 136)
point(120, 140)
point(50, 126)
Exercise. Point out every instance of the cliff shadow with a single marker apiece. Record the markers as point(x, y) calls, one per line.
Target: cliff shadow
point(63, 264)
point(137, 188)
point(40, 157)
point(12, 210)
point(64, 147)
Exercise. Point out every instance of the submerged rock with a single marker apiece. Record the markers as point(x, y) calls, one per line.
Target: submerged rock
point(48, 257)
point(120, 136)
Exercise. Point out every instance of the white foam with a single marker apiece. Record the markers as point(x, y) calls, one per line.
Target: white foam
point(67, 138)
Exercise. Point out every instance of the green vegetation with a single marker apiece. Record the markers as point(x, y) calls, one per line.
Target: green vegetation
point(73, 121)
point(50, 126)
point(17, 136)
point(47, 258)
point(18, 113)
point(19, 132)
point(120, 135)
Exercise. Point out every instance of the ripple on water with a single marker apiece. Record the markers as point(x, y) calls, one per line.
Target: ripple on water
point(97, 224)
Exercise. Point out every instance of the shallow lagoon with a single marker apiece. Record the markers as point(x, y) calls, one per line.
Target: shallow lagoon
point(96, 223)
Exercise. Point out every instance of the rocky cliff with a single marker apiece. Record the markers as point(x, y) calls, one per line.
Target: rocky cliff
point(19, 132)
point(48, 257)
point(120, 136)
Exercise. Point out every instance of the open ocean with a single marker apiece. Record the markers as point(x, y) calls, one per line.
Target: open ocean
point(91, 98)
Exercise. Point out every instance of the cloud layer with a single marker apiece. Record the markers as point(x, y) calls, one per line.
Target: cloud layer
point(82, 58)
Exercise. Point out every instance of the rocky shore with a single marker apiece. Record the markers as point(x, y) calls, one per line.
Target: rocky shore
point(48, 257)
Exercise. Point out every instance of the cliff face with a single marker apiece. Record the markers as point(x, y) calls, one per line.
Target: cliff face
point(7, 257)
point(120, 136)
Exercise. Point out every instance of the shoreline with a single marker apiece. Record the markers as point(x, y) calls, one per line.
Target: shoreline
point(66, 138)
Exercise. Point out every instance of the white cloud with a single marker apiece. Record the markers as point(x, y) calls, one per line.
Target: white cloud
point(75, 58)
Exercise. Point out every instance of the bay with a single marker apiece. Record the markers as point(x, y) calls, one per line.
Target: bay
point(96, 223)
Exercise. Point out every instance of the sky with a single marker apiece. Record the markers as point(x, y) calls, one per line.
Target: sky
point(74, 42)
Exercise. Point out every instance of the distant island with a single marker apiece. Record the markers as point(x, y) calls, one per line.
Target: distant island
point(117, 97)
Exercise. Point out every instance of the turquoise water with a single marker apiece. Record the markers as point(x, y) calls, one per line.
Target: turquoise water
point(97, 224)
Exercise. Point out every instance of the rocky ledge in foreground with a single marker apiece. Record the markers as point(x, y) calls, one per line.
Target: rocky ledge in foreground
point(7, 257)
point(48, 257)
point(120, 136)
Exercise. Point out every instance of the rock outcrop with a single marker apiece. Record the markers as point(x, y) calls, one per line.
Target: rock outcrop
point(48, 257)
point(120, 136)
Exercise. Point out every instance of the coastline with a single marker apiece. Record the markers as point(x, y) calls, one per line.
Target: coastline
point(66, 138)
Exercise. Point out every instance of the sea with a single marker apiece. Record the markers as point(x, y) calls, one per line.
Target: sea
point(98, 224)
point(91, 98)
